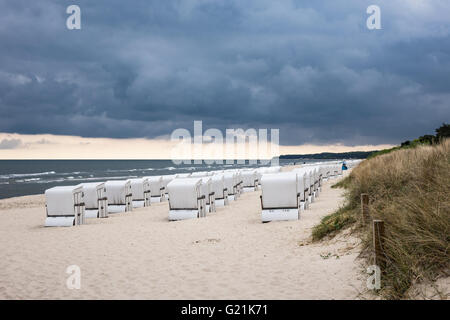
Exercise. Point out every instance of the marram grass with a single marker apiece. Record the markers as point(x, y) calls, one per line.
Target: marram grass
point(410, 190)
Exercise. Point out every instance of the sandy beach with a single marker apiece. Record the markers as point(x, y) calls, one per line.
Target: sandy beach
point(140, 255)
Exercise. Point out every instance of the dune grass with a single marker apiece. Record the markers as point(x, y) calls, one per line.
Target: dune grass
point(343, 183)
point(410, 190)
point(333, 223)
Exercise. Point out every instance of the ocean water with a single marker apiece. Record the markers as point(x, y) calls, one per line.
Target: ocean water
point(27, 177)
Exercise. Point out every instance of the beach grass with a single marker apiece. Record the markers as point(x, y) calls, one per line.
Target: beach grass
point(343, 183)
point(333, 223)
point(409, 190)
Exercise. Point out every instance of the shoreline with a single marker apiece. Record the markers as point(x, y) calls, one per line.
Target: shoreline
point(39, 195)
point(14, 182)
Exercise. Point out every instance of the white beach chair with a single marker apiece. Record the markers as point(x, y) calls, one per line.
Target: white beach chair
point(95, 200)
point(315, 174)
point(119, 196)
point(239, 183)
point(305, 172)
point(157, 189)
point(229, 179)
point(185, 199)
point(302, 190)
point(249, 180)
point(334, 171)
point(320, 173)
point(311, 185)
point(280, 197)
point(325, 171)
point(64, 206)
point(199, 174)
point(140, 190)
point(219, 189)
point(259, 173)
point(183, 175)
point(206, 190)
point(318, 180)
point(273, 169)
point(165, 181)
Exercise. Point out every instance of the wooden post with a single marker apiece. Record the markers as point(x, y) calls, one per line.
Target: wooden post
point(365, 208)
point(378, 243)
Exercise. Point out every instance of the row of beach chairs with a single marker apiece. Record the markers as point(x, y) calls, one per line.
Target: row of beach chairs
point(285, 194)
point(198, 194)
point(189, 195)
point(195, 195)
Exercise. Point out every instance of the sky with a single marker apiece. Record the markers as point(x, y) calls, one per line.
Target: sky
point(139, 69)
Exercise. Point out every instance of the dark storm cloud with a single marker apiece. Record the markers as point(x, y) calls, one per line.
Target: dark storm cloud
point(143, 68)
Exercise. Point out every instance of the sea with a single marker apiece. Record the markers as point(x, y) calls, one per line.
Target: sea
point(28, 177)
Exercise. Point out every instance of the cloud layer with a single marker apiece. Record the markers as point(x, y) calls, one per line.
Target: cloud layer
point(39, 146)
point(143, 68)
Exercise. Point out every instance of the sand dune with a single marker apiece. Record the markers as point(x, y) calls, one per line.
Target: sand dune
point(140, 255)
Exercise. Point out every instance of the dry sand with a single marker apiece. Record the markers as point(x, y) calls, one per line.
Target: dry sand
point(141, 255)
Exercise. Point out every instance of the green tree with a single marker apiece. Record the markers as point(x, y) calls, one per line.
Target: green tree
point(426, 139)
point(405, 143)
point(443, 132)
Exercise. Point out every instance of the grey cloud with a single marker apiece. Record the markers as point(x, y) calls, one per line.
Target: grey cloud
point(143, 68)
point(10, 144)
point(44, 141)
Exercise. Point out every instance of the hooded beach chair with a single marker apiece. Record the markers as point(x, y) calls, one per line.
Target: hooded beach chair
point(206, 189)
point(280, 197)
point(315, 174)
point(185, 199)
point(199, 174)
point(157, 189)
point(334, 170)
point(306, 192)
point(219, 189)
point(239, 182)
point(165, 181)
point(325, 171)
point(311, 184)
point(249, 180)
point(95, 200)
point(183, 175)
point(273, 169)
point(319, 179)
point(140, 190)
point(302, 190)
point(229, 179)
point(119, 196)
point(259, 173)
point(64, 206)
